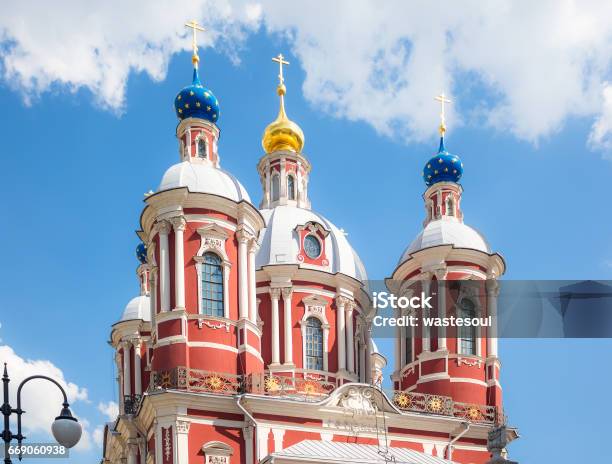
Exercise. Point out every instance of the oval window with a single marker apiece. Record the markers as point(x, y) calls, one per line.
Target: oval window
point(312, 246)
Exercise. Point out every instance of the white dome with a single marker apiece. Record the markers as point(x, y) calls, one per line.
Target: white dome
point(137, 308)
point(203, 178)
point(280, 242)
point(447, 231)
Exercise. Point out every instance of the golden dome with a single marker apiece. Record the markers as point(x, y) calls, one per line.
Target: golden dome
point(282, 133)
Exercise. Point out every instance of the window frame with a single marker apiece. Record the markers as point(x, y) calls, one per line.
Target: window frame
point(316, 332)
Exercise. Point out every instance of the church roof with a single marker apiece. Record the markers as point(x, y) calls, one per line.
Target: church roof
point(332, 451)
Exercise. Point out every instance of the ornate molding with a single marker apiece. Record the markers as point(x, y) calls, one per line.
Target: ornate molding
point(163, 227)
point(275, 293)
point(358, 400)
point(287, 292)
point(179, 223)
point(182, 426)
point(220, 325)
point(342, 301)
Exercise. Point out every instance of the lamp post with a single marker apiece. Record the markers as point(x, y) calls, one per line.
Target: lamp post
point(66, 428)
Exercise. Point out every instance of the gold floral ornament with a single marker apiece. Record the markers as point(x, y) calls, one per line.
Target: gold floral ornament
point(435, 404)
point(473, 413)
point(402, 400)
point(272, 384)
point(165, 380)
point(310, 387)
point(214, 383)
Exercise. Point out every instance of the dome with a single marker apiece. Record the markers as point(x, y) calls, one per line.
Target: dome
point(203, 178)
point(141, 253)
point(137, 309)
point(283, 133)
point(196, 101)
point(280, 244)
point(443, 167)
point(447, 231)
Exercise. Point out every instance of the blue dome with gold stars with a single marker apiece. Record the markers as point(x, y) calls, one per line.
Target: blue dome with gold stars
point(141, 253)
point(443, 167)
point(196, 101)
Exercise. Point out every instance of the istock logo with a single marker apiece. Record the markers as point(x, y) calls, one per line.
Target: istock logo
point(383, 300)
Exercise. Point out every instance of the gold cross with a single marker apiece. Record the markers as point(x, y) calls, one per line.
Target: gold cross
point(280, 59)
point(442, 99)
point(194, 26)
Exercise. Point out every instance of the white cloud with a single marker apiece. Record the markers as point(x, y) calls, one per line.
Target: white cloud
point(41, 400)
point(540, 63)
point(110, 409)
point(96, 45)
point(98, 436)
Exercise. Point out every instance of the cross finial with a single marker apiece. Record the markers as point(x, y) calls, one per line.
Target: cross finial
point(280, 59)
point(195, 27)
point(442, 99)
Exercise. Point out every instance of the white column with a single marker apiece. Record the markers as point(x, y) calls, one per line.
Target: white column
point(164, 263)
point(137, 365)
point(274, 297)
point(368, 354)
point(288, 325)
point(325, 347)
point(350, 348)
point(402, 347)
point(441, 276)
point(119, 378)
point(425, 313)
point(340, 332)
point(127, 379)
point(179, 224)
point(132, 451)
point(362, 364)
point(398, 349)
point(243, 281)
point(252, 284)
point(492, 294)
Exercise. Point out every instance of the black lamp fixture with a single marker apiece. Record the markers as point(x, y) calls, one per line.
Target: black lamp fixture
point(65, 428)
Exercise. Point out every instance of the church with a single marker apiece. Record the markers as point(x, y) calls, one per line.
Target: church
point(251, 338)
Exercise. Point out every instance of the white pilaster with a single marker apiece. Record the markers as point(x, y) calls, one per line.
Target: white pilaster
point(127, 379)
point(288, 325)
point(243, 280)
point(181, 444)
point(340, 329)
point(426, 330)
point(179, 225)
point(441, 276)
point(492, 294)
point(368, 356)
point(137, 366)
point(274, 297)
point(350, 348)
point(253, 247)
point(164, 262)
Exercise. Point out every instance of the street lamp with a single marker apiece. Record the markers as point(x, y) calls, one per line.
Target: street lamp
point(66, 428)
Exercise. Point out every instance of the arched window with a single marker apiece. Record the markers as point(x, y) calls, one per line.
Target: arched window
point(450, 206)
point(202, 148)
point(290, 187)
point(275, 187)
point(467, 335)
point(314, 344)
point(212, 285)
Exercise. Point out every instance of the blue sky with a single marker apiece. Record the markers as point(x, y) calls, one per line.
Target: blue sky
point(74, 174)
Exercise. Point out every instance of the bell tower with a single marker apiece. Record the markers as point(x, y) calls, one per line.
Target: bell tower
point(454, 263)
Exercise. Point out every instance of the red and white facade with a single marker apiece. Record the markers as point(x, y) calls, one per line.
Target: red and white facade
point(267, 357)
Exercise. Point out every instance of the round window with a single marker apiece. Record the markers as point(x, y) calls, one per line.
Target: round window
point(312, 246)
